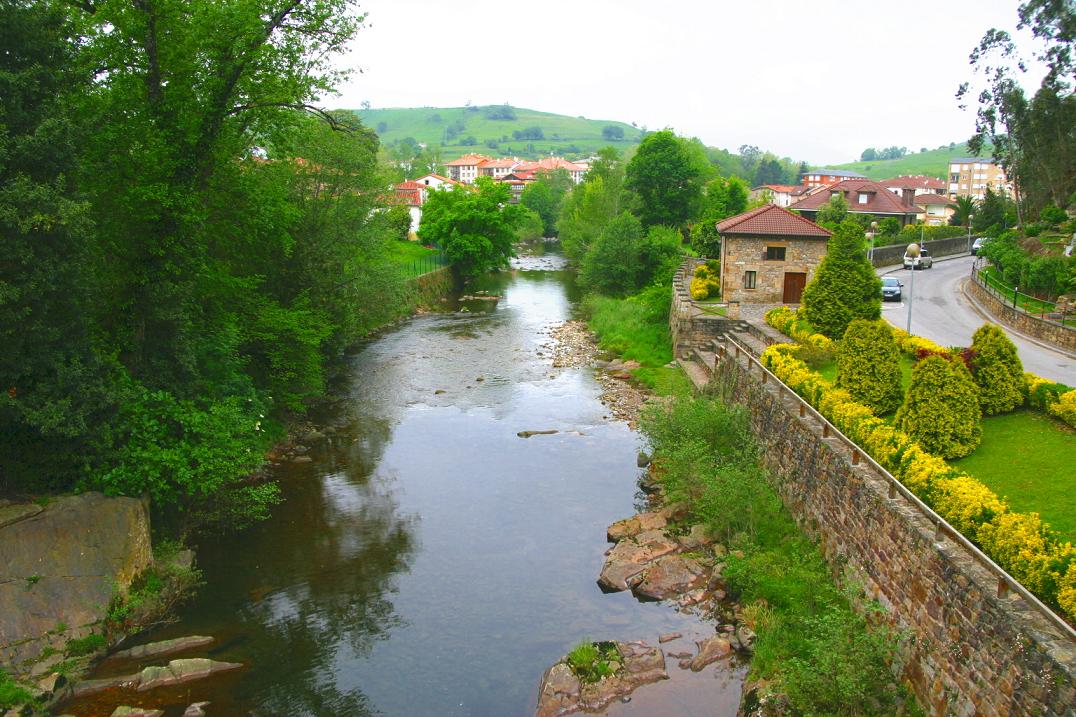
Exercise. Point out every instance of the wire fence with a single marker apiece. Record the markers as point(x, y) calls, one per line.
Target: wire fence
point(425, 265)
point(1025, 303)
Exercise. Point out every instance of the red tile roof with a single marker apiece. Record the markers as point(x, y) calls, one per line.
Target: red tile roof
point(925, 199)
point(499, 163)
point(438, 176)
point(785, 188)
point(410, 185)
point(881, 200)
point(468, 160)
point(550, 163)
point(771, 220)
point(917, 181)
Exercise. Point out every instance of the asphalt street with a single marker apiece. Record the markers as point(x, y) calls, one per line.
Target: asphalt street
point(942, 313)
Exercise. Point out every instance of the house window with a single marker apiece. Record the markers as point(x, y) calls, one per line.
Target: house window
point(864, 197)
point(775, 253)
point(749, 279)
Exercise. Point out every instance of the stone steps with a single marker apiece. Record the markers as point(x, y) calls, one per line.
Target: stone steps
point(698, 375)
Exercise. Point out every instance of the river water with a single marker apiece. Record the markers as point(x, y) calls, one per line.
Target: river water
point(429, 561)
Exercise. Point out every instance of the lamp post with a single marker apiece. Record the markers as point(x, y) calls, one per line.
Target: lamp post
point(913, 252)
point(874, 233)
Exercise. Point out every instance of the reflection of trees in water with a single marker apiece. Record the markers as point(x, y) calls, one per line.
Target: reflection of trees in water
point(344, 549)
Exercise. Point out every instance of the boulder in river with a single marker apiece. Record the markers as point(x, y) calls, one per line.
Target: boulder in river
point(669, 577)
point(562, 692)
point(630, 557)
point(711, 650)
point(163, 647)
point(178, 672)
point(630, 527)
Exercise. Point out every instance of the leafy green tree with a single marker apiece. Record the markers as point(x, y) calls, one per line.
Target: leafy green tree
point(612, 132)
point(991, 212)
point(665, 176)
point(545, 196)
point(833, 213)
point(769, 171)
point(845, 286)
point(997, 370)
point(625, 258)
point(530, 226)
point(890, 226)
point(941, 410)
point(398, 217)
point(592, 204)
point(868, 365)
point(723, 198)
point(475, 228)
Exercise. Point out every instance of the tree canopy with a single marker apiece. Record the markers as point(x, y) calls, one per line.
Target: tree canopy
point(474, 227)
point(666, 175)
point(845, 286)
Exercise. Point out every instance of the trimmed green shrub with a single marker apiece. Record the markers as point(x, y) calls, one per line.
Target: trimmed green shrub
point(997, 370)
point(845, 287)
point(868, 365)
point(941, 411)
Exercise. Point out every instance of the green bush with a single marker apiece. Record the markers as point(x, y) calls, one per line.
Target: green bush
point(398, 218)
point(591, 661)
point(11, 693)
point(1053, 215)
point(624, 259)
point(890, 226)
point(941, 411)
point(868, 365)
point(997, 370)
point(845, 286)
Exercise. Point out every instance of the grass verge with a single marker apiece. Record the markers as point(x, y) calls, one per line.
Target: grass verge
point(1025, 457)
point(812, 646)
point(634, 328)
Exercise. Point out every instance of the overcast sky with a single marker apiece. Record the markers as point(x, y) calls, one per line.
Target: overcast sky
point(819, 80)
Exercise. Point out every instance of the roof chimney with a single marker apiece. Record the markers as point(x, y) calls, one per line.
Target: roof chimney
point(908, 195)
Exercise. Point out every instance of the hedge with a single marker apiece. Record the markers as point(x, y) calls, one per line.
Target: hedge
point(706, 281)
point(868, 365)
point(1020, 542)
point(941, 408)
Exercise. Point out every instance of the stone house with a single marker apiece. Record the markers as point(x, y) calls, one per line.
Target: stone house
point(768, 255)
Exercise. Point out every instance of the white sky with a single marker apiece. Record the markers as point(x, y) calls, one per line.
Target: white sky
point(819, 80)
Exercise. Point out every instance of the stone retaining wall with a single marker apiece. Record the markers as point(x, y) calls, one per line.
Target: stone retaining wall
point(688, 326)
point(890, 255)
point(1050, 332)
point(971, 652)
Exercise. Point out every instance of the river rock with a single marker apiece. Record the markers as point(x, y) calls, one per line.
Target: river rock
point(562, 693)
point(84, 688)
point(745, 636)
point(630, 557)
point(711, 650)
point(125, 711)
point(642, 460)
point(669, 577)
point(697, 537)
point(164, 647)
point(630, 527)
point(195, 710)
point(178, 672)
point(62, 564)
point(669, 637)
point(559, 693)
point(302, 459)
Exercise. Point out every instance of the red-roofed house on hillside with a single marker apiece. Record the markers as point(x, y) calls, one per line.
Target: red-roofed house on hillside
point(863, 197)
point(768, 255)
point(779, 194)
point(497, 168)
point(517, 181)
point(935, 209)
point(822, 177)
point(920, 183)
point(548, 164)
point(434, 181)
point(465, 169)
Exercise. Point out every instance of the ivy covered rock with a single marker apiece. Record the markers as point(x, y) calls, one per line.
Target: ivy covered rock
point(998, 371)
point(868, 365)
point(845, 287)
point(941, 411)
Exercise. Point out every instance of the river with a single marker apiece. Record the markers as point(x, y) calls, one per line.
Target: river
point(429, 561)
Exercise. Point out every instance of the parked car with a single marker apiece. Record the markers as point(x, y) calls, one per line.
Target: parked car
point(977, 245)
point(891, 289)
point(923, 261)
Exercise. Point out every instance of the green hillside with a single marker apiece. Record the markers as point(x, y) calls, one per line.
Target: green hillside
point(493, 129)
point(933, 163)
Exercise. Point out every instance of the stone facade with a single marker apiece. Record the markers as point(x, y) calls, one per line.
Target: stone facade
point(970, 650)
point(1045, 330)
point(741, 254)
point(688, 326)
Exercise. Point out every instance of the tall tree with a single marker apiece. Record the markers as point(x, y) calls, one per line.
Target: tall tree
point(592, 204)
point(723, 198)
point(545, 196)
point(474, 227)
point(845, 286)
point(666, 177)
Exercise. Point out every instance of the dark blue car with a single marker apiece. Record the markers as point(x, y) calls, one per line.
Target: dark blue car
point(891, 289)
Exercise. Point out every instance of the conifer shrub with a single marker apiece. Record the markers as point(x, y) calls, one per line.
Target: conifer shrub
point(941, 411)
point(868, 365)
point(845, 286)
point(997, 370)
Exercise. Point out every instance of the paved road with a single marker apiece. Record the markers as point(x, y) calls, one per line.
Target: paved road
point(943, 314)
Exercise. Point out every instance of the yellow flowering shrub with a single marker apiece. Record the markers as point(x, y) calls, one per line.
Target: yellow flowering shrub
point(791, 323)
point(966, 503)
point(705, 283)
point(1019, 543)
point(1066, 593)
point(1065, 408)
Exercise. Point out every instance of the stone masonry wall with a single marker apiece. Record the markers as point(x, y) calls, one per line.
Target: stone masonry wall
point(688, 326)
point(1050, 332)
point(894, 254)
point(745, 253)
point(971, 652)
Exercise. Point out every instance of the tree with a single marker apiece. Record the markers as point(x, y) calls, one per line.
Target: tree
point(890, 226)
point(545, 196)
point(990, 213)
point(845, 286)
point(625, 258)
point(869, 155)
point(723, 198)
point(769, 171)
point(965, 208)
point(666, 177)
point(612, 132)
point(997, 370)
point(868, 365)
point(475, 228)
point(941, 410)
point(833, 213)
point(591, 204)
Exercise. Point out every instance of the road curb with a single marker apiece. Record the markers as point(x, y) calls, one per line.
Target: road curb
point(982, 311)
point(883, 270)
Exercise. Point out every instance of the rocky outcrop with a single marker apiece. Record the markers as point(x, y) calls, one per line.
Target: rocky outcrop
point(59, 567)
point(626, 562)
point(164, 647)
point(176, 672)
point(563, 693)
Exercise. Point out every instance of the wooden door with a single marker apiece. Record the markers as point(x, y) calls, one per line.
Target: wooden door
point(794, 283)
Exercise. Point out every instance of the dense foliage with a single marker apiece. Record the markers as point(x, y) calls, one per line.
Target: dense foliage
point(666, 175)
point(723, 197)
point(845, 286)
point(545, 195)
point(187, 248)
point(591, 204)
point(625, 257)
point(941, 411)
point(997, 370)
point(474, 227)
point(868, 365)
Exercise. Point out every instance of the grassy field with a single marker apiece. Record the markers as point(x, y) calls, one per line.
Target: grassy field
point(933, 163)
point(571, 137)
point(414, 258)
point(1027, 459)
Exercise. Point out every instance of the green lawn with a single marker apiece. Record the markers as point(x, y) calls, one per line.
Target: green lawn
point(829, 370)
point(415, 259)
point(1029, 459)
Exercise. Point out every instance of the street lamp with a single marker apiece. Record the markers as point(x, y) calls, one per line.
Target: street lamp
point(874, 233)
point(913, 252)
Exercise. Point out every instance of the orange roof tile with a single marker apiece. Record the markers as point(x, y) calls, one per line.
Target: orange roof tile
point(880, 199)
point(771, 220)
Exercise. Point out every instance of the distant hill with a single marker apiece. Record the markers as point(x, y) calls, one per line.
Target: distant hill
point(933, 163)
point(498, 130)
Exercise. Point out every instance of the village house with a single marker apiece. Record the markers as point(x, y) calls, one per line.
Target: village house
point(863, 197)
point(548, 164)
point(517, 181)
point(434, 181)
point(768, 255)
point(465, 169)
point(780, 194)
point(822, 177)
point(497, 168)
point(970, 177)
point(920, 183)
point(934, 209)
